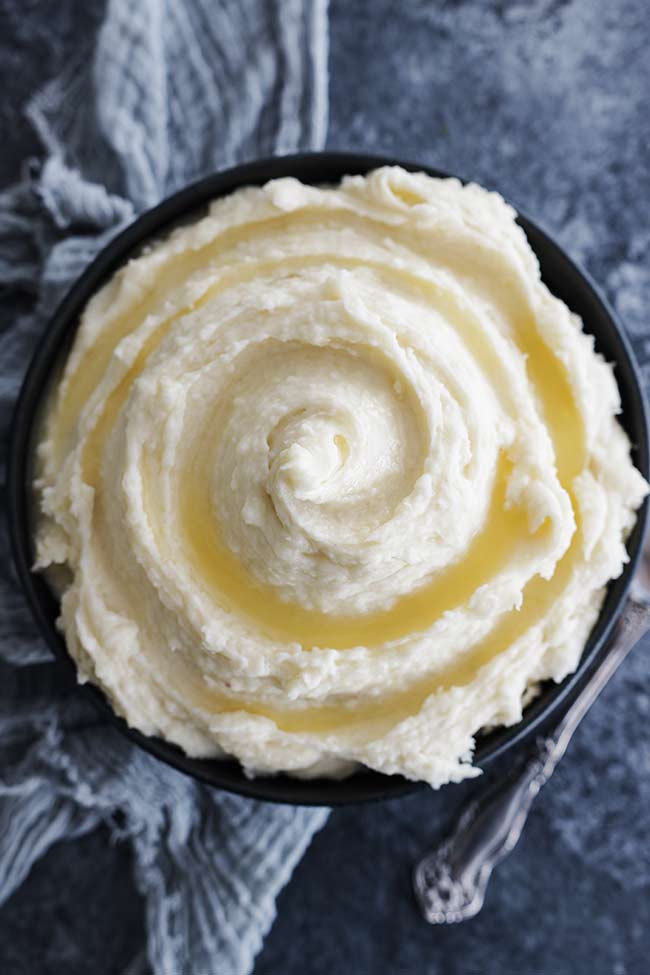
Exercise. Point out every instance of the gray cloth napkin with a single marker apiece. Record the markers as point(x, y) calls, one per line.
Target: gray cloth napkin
point(169, 92)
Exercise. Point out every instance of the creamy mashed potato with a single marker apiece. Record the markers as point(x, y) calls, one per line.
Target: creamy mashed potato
point(336, 479)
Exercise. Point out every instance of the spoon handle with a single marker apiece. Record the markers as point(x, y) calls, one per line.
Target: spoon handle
point(451, 881)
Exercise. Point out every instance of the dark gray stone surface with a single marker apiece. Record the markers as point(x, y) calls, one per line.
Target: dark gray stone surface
point(547, 101)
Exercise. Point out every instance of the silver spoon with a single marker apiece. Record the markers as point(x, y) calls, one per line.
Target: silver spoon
point(450, 882)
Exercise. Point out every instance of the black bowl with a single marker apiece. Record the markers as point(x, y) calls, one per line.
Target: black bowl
point(563, 278)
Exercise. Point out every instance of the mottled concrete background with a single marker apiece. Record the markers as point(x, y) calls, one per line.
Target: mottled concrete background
point(548, 102)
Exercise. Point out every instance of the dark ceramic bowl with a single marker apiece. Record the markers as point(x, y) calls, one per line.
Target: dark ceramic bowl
point(563, 278)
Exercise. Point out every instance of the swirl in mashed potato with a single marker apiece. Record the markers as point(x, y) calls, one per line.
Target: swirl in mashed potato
point(336, 479)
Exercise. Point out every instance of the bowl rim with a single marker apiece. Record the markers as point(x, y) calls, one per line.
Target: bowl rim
point(59, 334)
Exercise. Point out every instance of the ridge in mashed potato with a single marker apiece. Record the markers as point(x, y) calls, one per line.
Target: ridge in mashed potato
point(336, 479)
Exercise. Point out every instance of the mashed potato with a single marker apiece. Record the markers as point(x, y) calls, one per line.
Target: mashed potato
point(336, 479)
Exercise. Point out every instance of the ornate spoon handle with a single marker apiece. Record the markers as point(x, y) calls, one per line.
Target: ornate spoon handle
point(450, 883)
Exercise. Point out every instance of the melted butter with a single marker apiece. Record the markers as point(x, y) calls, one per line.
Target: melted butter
point(173, 273)
point(94, 448)
point(78, 386)
point(232, 586)
point(378, 716)
point(231, 582)
point(561, 416)
point(445, 591)
point(406, 195)
point(538, 597)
